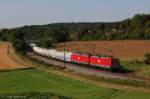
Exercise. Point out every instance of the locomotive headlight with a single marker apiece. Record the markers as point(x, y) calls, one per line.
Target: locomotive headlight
point(78, 58)
point(99, 61)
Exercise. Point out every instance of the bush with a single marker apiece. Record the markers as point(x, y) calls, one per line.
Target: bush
point(19, 47)
point(147, 58)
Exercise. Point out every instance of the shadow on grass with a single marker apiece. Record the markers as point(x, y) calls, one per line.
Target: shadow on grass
point(11, 70)
point(33, 95)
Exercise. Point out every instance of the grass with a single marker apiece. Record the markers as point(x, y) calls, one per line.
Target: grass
point(33, 80)
point(91, 77)
point(131, 83)
point(140, 68)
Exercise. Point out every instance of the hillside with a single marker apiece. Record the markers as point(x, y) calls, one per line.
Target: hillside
point(137, 27)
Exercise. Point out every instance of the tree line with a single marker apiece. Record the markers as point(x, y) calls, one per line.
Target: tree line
point(137, 27)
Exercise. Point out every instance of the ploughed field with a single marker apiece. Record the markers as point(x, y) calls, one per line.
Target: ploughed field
point(122, 49)
point(6, 61)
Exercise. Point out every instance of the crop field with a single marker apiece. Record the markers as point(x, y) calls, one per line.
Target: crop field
point(128, 51)
point(6, 62)
point(124, 50)
point(33, 80)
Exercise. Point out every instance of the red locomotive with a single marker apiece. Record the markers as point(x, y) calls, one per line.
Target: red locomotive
point(97, 61)
point(80, 58)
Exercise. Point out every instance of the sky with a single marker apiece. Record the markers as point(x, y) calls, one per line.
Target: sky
point(16, 13)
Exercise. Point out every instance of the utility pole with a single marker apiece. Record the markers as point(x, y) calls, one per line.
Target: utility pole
point(64, 55)
point(110, 52)
point(94, 52)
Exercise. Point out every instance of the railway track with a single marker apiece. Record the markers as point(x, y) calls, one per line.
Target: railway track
point(85, 70)
point(101, 84)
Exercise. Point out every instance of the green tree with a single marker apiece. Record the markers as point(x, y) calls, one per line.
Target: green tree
point(18, 42)
point(147, 33)
point(147, 58)
point(47, 43)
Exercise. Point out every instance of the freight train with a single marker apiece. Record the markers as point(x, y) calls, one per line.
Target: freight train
point(98, 61)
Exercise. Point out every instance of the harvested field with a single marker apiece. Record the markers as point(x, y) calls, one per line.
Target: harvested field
point(125, 49)
point(6, 61)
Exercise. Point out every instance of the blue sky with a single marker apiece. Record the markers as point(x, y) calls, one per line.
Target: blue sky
point(15, 13)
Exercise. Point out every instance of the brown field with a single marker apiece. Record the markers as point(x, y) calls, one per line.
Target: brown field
point(6, 61)
point(125, 50)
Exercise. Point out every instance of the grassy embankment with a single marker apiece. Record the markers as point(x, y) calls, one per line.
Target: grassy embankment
point(33, 80)
point(139, 68)
point(44, 66)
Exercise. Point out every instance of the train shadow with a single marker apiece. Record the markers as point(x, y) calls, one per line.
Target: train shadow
point(122, 69)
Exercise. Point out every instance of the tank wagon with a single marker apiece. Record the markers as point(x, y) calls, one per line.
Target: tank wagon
point(100, 61)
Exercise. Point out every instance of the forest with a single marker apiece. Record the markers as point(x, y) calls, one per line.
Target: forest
point(137, 27)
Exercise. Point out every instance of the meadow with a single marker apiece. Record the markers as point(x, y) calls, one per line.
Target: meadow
point(33, 80)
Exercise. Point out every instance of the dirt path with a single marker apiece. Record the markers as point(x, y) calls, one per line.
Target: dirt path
point(6, 61)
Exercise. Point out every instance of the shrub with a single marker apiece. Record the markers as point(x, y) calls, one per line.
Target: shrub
point(147, 58)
